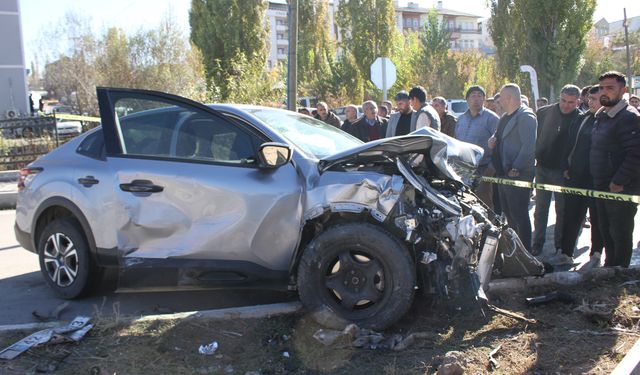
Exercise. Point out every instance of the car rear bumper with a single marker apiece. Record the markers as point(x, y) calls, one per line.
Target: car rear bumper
point(24, 239)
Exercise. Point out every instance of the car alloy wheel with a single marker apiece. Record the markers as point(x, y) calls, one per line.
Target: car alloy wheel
point(61, 259)
point(65, 259)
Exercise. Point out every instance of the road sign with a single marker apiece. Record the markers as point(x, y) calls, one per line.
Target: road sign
point(383, 74)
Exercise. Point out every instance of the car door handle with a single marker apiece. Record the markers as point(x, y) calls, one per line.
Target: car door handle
point(88, 181)
point(141, 186)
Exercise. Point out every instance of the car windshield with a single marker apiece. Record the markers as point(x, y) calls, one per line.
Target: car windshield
point(312, 136)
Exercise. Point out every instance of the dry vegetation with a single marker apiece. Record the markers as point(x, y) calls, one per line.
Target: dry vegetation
point(590, 336)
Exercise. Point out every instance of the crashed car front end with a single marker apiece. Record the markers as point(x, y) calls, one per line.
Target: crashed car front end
point(417, 186)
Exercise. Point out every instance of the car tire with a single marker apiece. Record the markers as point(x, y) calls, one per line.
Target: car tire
point(374, 289)
point(65, 260)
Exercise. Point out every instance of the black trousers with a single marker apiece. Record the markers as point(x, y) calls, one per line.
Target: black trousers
point(514, 202)
point(616, 226)
point(575, 211)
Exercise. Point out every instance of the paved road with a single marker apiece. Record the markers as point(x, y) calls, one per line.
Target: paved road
point(23, 290)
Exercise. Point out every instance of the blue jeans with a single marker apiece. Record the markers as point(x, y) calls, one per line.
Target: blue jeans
point(541, 214)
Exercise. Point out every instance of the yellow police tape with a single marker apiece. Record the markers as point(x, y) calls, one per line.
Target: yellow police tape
point(563, 189)
point(66, 116)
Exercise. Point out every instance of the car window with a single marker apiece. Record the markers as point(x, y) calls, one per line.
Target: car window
point(93, 145)
point(458, 107)
point(157, 129)
point(313, 137)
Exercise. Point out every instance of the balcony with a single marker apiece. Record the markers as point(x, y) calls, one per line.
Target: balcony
point(282, 42)
point(282, 28)
point(460, 30)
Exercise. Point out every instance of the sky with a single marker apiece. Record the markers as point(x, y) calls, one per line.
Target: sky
point(133, 15)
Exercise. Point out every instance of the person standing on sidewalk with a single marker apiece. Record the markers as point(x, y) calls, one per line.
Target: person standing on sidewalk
point(552, 136)
point(615, 167)
point(476, 125)
point(577, 174)
point(513, 147)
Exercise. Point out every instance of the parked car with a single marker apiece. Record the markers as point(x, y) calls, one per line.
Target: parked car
point(341, 112)
point(457, 106)
point(180, 194)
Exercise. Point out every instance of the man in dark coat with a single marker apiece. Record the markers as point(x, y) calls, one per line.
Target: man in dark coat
point(615, 167)
point(578, 175)
point(370, 126)
point(326, 116)
point(513, 158)
point(553, 128)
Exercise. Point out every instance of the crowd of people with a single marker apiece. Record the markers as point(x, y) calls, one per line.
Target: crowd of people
point(589, 139)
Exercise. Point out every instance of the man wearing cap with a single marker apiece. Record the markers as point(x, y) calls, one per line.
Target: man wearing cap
point(400, 121)
point(476, 126)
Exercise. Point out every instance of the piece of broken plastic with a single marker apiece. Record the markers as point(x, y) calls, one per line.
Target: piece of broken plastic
point(74, 331)
point(208, 349)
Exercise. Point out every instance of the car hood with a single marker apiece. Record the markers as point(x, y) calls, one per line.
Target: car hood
point(455, 159)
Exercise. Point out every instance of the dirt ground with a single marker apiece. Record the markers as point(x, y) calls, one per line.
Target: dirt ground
point(590, 335)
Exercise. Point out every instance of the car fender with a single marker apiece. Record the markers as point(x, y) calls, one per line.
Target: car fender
point(75, 211)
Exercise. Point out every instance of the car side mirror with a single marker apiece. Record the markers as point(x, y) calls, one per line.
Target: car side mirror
point(274, 155)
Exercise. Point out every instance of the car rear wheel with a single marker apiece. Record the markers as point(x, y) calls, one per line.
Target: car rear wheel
point(65, 260)
point(356, 273)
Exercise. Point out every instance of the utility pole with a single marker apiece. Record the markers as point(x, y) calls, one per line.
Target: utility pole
point(626, 42)
point(292, 58)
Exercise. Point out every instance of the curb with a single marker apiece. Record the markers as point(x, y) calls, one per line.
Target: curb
point(630, 364)
point(9, 176)
point(244, 312)
point(8, 200)
point(566, 278)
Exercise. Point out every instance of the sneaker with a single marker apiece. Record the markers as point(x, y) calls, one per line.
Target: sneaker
point(594, 262)
point(560, 259)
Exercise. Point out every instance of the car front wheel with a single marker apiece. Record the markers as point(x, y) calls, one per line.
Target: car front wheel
point(64, 257)
point(356, 273)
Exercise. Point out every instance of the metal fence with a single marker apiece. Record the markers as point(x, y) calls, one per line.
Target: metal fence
point(23, 140)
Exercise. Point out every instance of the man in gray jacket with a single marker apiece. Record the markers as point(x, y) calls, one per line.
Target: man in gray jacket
point(400, 120)
point(514, 158)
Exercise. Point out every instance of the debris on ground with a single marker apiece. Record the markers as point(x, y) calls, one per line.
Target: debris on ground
point(595, 312)
point(208, 349)
point(74, 331)
point(368, 339)
point(52, 315)
point(453, 363)
point(550, 297)
point(493, 362)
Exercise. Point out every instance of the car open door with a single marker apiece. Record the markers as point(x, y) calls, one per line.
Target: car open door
point(192, 199)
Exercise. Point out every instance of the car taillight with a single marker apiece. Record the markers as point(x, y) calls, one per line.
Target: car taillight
point(27, 173)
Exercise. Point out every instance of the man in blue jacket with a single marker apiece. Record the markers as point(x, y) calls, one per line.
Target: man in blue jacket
point(615, 166)
point(513, 158)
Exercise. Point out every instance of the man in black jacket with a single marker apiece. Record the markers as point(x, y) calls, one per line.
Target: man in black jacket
point(370, 126)
point(615, 166)
point(551, 141)
point(578, 175)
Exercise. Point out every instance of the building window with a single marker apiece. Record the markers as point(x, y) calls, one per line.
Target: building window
point(280, 51)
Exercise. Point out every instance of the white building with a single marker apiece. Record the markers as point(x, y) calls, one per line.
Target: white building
point(468, 31)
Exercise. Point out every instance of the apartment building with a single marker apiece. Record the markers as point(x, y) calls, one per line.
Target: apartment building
point(468, 31)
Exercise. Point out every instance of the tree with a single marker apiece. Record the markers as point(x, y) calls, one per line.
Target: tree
point(231, 35)
point(368, 27)
point(315, 50)
point(548, 35)
point(435, 65)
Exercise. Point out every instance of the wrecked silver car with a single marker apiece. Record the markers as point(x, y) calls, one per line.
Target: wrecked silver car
point(173, 193)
